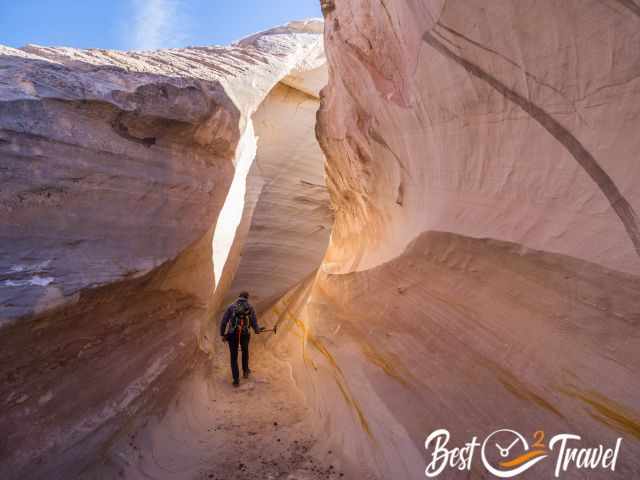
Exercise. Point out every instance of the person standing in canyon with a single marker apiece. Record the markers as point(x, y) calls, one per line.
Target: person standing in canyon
point(239, 317)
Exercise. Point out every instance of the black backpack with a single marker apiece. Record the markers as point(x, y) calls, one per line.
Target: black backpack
point(241, 317)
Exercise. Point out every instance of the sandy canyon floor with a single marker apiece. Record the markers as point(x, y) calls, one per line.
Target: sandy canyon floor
point(256, 431)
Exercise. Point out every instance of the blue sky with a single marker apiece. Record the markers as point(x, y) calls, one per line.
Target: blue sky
point(143, 24)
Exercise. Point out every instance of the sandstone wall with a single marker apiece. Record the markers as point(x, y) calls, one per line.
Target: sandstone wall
point(292, 219)
point(505, 120)
point(114, 169)
point(483, 267)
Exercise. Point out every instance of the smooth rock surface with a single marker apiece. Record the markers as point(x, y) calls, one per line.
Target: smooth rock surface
point(482, 270)
point(115, 162)
point(483, 267)
point(291, 219)
point(512, 121)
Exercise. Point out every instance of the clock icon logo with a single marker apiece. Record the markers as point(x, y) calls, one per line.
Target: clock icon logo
point(506, 453)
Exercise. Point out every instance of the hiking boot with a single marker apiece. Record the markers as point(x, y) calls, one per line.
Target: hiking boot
point(246, 374)
point(236, 383)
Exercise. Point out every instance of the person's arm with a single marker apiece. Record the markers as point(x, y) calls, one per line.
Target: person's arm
point(254, 321)
point(225, 319)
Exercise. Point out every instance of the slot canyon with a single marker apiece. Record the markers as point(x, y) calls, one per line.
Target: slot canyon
point(434, 201)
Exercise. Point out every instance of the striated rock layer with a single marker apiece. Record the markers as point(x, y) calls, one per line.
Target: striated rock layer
point(88, 136)
point(291, 219)
point(484, 266)
point(482, 270)
point(507, 121)
point(116, 168)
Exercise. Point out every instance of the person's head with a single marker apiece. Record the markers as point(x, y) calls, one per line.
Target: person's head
point(244, 295)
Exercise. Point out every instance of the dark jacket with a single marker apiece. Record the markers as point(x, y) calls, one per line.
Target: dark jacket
point(228, 315)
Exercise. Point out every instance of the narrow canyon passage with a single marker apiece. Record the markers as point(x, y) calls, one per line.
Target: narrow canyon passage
point(436, 202)
point(143, 313)
point(211, 430)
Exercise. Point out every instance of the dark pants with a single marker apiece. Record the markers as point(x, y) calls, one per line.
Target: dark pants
point(233, 350)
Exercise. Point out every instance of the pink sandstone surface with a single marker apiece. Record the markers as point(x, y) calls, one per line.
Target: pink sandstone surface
point(452, 242)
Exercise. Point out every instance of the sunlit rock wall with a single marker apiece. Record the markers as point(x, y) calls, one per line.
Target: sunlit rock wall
point(291, 219)
point(483, 270)
point(284, 216)
point(505, 120)
point(88, 136)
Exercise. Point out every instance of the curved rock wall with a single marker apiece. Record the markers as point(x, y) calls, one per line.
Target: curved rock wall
point(115, 166)
point(508, 121)
point(483, 267)
point(88, 135)
point(291, 220)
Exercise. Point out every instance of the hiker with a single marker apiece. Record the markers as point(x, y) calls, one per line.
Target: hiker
point(234, 329)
